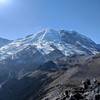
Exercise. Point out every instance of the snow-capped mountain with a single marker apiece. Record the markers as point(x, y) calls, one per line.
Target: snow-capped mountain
point(48, 41)
point(4, 42)
point(82, 42)
point(35, 49)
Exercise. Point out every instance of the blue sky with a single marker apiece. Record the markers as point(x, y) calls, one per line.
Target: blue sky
point(21, 17)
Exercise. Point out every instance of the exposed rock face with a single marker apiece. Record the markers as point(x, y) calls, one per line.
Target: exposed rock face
point(49, 66)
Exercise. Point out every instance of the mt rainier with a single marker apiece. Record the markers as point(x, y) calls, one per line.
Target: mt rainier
point(46, 41)
point(35, 49)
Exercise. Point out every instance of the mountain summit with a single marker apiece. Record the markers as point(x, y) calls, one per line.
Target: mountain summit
point(47, 45)
point(49, 35)
point(48, 40)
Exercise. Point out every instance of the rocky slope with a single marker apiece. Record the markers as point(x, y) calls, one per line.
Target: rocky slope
point(73, 78)
point(49, 82)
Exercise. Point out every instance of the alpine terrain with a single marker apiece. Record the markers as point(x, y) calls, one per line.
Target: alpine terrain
point(43, 64)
